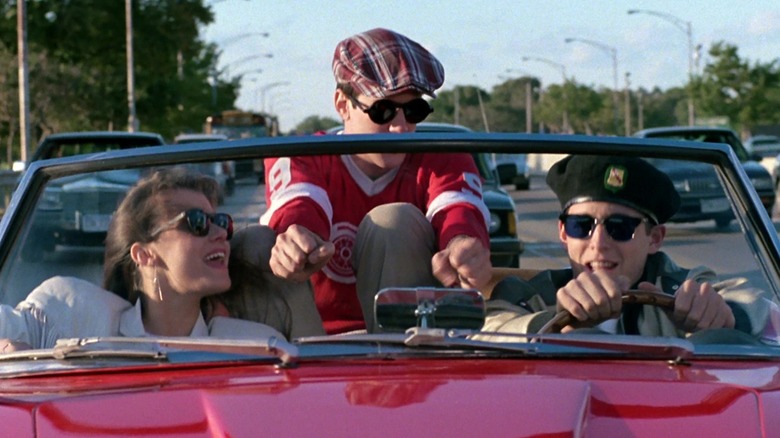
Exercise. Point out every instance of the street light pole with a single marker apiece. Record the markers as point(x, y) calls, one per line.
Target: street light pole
point(247, 72)
point(628, 104)
point(562, 67)
point(529, 101)
point(240, 37)
point(24, 86)
point(268, 87)
point(247, 58)
point(613, 53)
point(180, 55)
point(132, 120)
point(684, 26)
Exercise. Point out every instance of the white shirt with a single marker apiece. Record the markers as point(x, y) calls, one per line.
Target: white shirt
point(69, 307)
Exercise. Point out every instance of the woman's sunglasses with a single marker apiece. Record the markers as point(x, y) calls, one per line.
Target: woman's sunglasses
point(619, 227)
point(383, 111)
point(198, 222)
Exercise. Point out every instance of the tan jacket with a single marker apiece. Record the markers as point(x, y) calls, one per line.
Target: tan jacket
point(525, 306)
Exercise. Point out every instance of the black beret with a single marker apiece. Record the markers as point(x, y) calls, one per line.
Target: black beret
point(630, 181)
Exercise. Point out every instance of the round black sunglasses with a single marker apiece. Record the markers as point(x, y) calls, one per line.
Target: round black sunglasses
point(384, 110)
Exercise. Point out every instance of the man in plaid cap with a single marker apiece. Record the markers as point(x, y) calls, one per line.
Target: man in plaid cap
point(612, 227)
point(354, 224)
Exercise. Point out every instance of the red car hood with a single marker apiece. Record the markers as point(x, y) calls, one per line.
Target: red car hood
point(431, 397)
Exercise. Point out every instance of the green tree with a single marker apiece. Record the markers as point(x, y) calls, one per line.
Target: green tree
point(663, 108)
point(587, 113)
point(462, 106)
point(509, 104)
point(731, 87)
point(312, 124)
point(78, 75)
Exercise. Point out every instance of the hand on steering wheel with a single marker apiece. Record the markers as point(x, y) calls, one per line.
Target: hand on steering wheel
point(633, 296)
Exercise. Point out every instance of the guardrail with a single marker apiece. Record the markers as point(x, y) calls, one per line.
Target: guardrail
point(8, 181)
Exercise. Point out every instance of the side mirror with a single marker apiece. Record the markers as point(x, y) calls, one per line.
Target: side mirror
point(398, 309)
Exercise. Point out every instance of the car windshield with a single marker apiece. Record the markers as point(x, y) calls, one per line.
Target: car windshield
point(709, 136)
point(78, 144)
point(60, 230)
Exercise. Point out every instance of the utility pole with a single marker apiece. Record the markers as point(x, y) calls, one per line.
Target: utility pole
point(24, 85)
point(482, 110)
point(529, 107)
point(686, 27)
point(640, 111)
point(529, 100)
point(628, 104)
point(456, 92)
point(566, 127)
point(132, 120)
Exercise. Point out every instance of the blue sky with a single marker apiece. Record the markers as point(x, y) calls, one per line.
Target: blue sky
point(477, 41)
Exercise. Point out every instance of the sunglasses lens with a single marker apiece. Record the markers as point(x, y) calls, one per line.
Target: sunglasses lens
point(417, 110)
point(198, 222)
point(382, 111)
point(577, 226)
point(225, 221)
point(621, 228)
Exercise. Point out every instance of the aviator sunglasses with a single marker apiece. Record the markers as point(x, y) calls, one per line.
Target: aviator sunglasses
point(382, 111)
point(619, 227)
point(198, 222)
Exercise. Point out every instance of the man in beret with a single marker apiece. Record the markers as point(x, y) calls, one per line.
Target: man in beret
point(354, 224)
point(612, 226)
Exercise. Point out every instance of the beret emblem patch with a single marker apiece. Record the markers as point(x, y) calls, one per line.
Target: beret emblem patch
point(615, 178)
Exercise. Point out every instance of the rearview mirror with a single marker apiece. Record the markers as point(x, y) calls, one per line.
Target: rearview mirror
point(398, 309)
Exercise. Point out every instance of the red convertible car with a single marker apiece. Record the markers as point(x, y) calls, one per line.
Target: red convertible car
point(437, 376)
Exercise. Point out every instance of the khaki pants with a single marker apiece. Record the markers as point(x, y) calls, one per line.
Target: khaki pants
point(394, 247)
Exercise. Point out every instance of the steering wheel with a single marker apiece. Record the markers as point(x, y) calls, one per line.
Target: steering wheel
point(632, 296)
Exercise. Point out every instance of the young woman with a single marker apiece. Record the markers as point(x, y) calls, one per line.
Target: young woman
point(166, 251)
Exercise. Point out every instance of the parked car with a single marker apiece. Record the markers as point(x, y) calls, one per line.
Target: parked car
point(224, 171)
point(512, 168)
point(505, 247)
point(438, 380)
point(763, 145)
point(775, 172)
point(66, 144)
point(702, 197)
point(77, 209)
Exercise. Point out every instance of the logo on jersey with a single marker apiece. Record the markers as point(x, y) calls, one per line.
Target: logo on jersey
point(339, 268)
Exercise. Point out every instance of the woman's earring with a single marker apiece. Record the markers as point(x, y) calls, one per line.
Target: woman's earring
point(157, 284)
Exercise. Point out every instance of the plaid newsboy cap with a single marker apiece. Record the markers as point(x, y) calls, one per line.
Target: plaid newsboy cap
point(379, 63)
point(629, 181)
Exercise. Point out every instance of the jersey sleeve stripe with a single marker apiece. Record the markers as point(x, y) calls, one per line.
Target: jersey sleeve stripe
point(294, 191)
point(449, 198)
